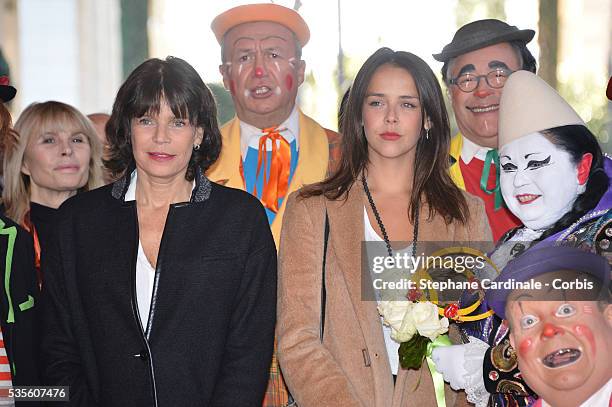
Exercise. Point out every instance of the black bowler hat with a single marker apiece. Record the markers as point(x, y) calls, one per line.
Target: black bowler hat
point(480, 34)
point(7, 92)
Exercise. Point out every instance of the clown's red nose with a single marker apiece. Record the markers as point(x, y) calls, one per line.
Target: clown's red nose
point(259, 72)
point(551, 330)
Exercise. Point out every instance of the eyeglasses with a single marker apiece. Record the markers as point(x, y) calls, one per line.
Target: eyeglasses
point(468, 81)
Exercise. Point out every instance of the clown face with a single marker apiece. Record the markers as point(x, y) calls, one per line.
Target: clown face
point(262, 72)
point(477, 111)
point(538, 180)
point(563, 346)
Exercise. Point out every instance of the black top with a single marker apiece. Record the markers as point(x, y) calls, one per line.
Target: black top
point(210, 333)
point(44, 220)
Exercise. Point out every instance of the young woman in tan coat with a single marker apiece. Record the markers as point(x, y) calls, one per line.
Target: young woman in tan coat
point(392, 184)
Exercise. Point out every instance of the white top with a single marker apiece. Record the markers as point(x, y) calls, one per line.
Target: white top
point(289, 129)
point(601, 398)
point(370, 235)
point(469, 150)
point(145, 273)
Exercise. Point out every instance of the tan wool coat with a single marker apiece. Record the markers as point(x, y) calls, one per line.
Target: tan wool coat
point(351, 367)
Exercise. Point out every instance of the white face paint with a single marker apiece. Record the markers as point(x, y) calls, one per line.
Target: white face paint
point(538, 180)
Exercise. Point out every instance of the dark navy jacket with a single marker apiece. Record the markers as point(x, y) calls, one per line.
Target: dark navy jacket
point(210, 333)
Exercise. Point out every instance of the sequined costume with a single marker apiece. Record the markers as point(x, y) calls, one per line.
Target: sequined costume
point(502, 378)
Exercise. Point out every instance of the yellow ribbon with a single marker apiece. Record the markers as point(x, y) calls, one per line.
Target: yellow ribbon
point(438, 380)
point(462, 313)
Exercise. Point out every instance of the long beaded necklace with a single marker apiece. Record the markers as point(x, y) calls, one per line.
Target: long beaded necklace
point(382, 226)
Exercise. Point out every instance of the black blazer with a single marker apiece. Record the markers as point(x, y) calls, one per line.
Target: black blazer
point(210, 333)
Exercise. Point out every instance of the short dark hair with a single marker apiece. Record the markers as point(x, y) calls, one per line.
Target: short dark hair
point(188, 97)
point(431, 180)
point(577, 140)
point(526, 59)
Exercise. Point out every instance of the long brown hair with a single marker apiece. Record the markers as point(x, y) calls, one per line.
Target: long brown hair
point(431, 180)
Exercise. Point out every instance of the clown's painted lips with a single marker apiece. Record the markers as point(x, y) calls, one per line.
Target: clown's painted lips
point(561, 357)
point(525, 199)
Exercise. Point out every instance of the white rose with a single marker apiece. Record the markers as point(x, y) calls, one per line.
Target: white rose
point(426, 320)
point(396, 314)
point(406, 330)
point(393, 312)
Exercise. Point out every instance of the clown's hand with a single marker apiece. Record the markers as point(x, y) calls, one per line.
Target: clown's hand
point(450, 361)
point(461, 367)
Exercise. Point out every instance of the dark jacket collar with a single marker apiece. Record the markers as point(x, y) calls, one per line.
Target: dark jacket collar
point(200, 193)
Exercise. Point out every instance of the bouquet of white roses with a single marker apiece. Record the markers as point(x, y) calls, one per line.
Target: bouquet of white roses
point(414, 325)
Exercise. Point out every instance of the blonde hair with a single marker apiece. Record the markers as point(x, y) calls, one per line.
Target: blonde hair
point(36, 119)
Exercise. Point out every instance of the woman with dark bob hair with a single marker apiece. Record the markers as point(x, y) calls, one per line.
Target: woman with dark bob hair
point(392, 185)
point(161, 290)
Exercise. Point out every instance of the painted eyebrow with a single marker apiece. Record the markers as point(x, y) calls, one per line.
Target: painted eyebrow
point(253, 39)
point(526, 295)
point(493, 64)
point(527, 155)
point(243, 38)
point(273, 36)
point(263, 39)
point(498, 64)
point(506, 156)
point(466, 68)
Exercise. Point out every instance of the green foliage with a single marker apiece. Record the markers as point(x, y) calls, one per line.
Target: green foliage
point(134, 37)
point(225, 105)
point(471, 10)
point(587, 96)
point(412, 353)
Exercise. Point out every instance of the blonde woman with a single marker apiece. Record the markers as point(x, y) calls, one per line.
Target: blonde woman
point(53, 154)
